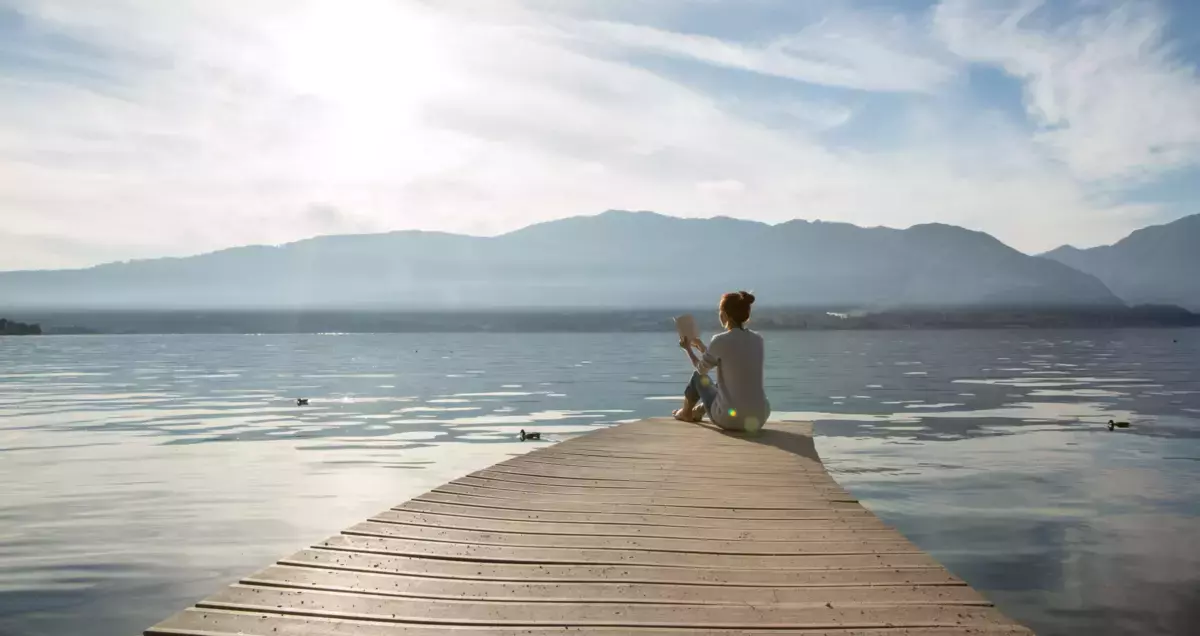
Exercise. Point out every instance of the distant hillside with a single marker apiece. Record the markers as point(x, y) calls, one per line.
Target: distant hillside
point(1158, 264)
point(14, 328)
point(615, 259)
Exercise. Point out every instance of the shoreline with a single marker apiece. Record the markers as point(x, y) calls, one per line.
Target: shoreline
point(158, 322)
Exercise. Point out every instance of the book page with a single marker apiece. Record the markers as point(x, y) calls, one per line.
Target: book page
point(685, 325)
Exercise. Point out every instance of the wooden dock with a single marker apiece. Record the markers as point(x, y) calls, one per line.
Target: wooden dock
point(651, 527)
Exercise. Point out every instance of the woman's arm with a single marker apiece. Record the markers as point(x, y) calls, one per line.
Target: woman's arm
point(686, 345)
point(702, 363)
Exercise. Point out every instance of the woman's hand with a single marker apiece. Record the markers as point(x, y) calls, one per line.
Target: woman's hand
point(700, 346)
point(685, 343)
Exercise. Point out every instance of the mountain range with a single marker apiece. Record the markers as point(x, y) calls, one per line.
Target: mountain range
point(1159, 264)
point(617, 259)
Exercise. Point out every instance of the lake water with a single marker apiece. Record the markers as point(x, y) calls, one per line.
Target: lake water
point(141, 473)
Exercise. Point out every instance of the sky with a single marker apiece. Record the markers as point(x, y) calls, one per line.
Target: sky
point(144, 128)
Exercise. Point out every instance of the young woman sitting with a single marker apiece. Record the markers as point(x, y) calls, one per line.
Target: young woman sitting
point(736, 401)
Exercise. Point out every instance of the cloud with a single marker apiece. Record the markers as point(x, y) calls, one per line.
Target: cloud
point(857, 53)
point(1110, 97)
point(54, 252)
point(727, 187)
point(195, 125)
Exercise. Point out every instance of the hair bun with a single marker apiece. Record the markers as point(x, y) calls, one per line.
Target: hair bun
point(747, 296)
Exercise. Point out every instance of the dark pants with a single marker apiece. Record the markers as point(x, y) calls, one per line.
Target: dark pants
point(701, 388)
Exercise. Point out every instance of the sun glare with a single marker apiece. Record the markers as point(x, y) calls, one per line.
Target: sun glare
point(373, 65)
point(362, 50)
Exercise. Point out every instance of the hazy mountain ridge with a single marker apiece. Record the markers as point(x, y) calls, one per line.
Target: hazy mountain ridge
point(615, 259)
point(1156, 264)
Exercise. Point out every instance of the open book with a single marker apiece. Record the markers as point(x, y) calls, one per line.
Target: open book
point(685, 325)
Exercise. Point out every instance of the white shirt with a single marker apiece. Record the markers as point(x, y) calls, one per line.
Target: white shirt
point(737, 355)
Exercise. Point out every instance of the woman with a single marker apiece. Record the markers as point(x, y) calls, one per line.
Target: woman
point(737, 401)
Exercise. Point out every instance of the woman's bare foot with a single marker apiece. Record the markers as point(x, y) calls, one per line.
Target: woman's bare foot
point(691, 416)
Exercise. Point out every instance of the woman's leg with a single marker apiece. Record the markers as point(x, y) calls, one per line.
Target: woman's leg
point(691, 399)
point(706, 389)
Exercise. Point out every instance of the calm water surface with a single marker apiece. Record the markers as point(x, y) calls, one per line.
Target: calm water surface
point(142, 473)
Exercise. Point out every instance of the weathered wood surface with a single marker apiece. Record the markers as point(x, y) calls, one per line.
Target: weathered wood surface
point(651, 527)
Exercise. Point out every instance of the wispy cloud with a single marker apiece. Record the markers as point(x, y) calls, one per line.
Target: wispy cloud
point(852, 53)
point(192, 125)
point(1110, 96)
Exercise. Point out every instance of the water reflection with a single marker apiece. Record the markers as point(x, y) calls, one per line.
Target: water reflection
point(144, 472)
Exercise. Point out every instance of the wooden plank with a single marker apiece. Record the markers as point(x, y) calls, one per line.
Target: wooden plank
point(749, 500)
point(513, 614)
point(691, 461)
point(694, 461)
point(559, 504)
point(705, 478)
point(572, 478)
point(699, 456)
point(880, 540)
point(533, 480)
point(652, 527)
point(846, 554)
point(691, 475)
point(847, 517)
point(703, 453)
point(594, 592)
point(216, 622)
point(695, 467)
point(532, 487)
point(803, 530)
point(883, 570)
